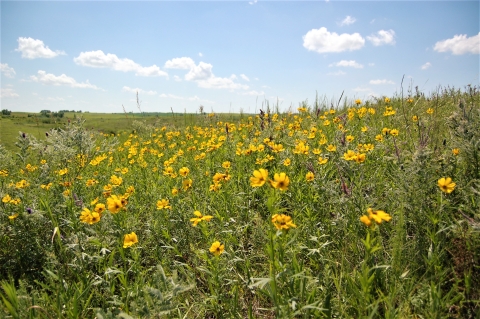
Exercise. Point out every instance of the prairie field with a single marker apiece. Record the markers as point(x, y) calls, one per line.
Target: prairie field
point(355, 209)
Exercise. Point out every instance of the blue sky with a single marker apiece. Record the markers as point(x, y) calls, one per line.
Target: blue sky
point(229, 55)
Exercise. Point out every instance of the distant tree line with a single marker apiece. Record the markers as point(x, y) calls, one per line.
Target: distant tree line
point(6, 112)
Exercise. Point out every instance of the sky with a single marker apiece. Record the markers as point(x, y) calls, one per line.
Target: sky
point(230, 56)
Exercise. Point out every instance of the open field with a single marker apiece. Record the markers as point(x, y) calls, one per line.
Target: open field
point(369, 210)
point(36, 125)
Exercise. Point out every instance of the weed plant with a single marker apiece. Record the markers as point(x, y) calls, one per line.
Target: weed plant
point(370, 210)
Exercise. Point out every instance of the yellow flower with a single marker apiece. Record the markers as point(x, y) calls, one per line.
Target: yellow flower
point(199, 217)
point(187, 183)
point(66, 192)
point(163, 204)
point(184, 171)
point(429, 110)
point(226, 164)
point(114, 204)
point(364, 129)
point(415, 118)
point(259, 177)
point(360, 158)
point(63, 171)
point(350, 138)
point(6, 198)
point(358, 101)
point(89, 217)
point(456, 151)
point(385, 131)
point(394, 132)
point(379, 138)
point(217, 248)
point(12, 217)
point(349, 155)
point(331, 148)
point(378, 215)
point(322, 160)
point(116, 181)
point(387, 100)
point(287, 162)
point(282, 222)
point(129, 240)
point(364, 219)
point(410, 100)
point(174, 191)
point(309, 176)
point(99, 208)
point(22, 184)
point(280, 181)
point(316, 151)
point(446, 185)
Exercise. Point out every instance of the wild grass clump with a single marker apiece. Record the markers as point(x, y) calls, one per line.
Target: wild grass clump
point(370, 210)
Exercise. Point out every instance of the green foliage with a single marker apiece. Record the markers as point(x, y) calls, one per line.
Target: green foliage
point(306, 247)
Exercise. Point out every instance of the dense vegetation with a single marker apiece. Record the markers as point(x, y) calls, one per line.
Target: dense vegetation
point(368, 209)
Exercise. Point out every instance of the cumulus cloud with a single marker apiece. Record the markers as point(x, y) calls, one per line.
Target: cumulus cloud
point(459, 44)
point(140, 91)
point(252, 2)
point(34, 49)
point(323, 41)
point(339, 72)
point(98, 59)
point(8, 93)
point(180, 63)
point(384, 81)
point(426, 66)
point(50, 79)
point(382, 37)
point(347, 21)
point(202, 74)
point(243, 76)
point(177, 78)
point(346, 63)
point(7, 71)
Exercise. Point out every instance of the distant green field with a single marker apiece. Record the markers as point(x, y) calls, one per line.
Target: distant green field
point(37, 126)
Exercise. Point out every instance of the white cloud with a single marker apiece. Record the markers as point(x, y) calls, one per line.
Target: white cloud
point(339, 72)
point(7, 71)
point(140, 91)
point(6, 93)
point(346, 63)
point(98, 59)
point(347, 21)
point(243, 76)
point(50, 79)
point(322, 41)
point(459, 44)
point(203, 75)
point(177, 78)
point(200, 54)
point(180, 63)
point(382, 37)
point(253, 2)
point(426, 66)
point(371, 64)
point(384, 81)
point(254, 93)
point(33, 49)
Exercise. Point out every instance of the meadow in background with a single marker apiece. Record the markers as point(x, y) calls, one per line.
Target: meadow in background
point(364, 209)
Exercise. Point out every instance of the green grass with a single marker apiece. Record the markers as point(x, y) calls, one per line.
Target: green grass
point(376, 234)
point(37, 126)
